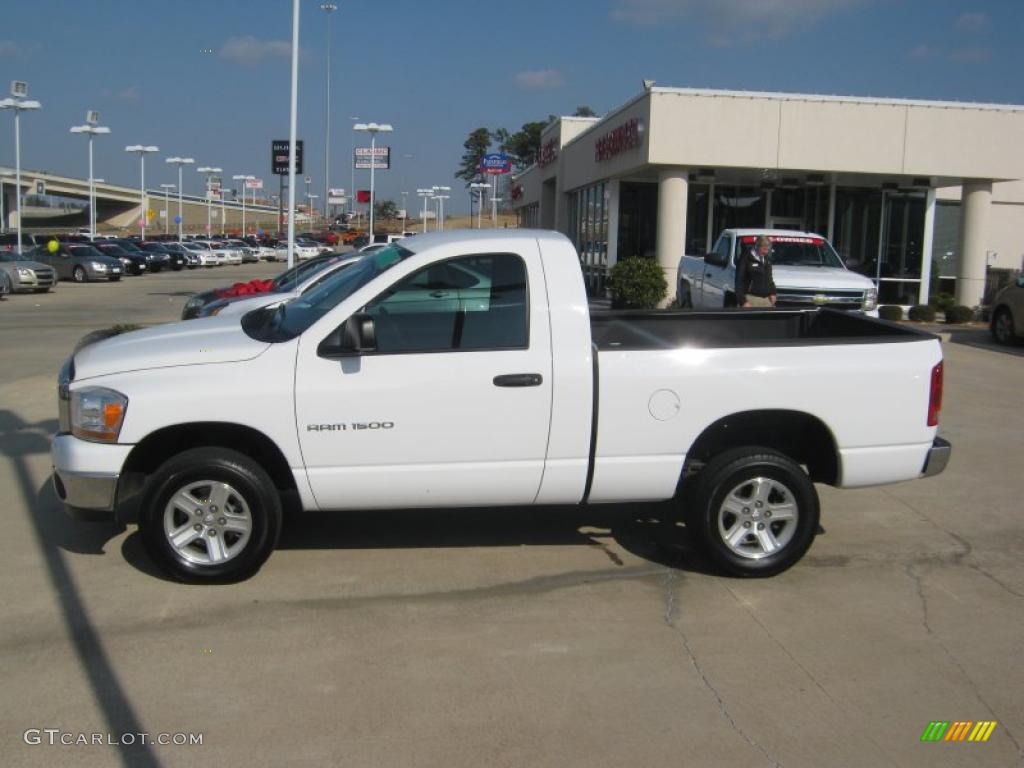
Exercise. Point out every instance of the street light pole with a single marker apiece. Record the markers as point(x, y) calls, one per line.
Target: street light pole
point(167, 199)
point(373, 129)
point(352, 166)
point(180, 161)
point(244, 179)
point(18, 102)
point(479, 187)
point(92, 117)
point(426, 194)
point(440, 205)
point(209, 196)
point(142, 151)
point(328, 8)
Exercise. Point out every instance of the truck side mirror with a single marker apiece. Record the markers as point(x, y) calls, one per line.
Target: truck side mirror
point(354, 337)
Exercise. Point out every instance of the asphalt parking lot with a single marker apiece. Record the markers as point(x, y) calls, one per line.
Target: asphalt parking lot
point(512, 638)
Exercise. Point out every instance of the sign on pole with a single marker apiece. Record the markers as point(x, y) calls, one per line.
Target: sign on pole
point(336, 197)
point(40, 187)
point(256, 183)
point(496, 164)
point(381, 158)
point(279, 156)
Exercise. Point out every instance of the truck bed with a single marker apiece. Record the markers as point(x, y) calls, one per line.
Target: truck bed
point(731, 328)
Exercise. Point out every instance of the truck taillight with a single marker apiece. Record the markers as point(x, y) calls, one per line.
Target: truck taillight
point(935, 396)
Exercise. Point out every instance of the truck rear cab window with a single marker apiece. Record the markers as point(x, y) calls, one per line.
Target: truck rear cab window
point(468, 303)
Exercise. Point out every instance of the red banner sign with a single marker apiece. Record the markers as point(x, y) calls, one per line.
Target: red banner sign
point(618, 140)
point(548, 153)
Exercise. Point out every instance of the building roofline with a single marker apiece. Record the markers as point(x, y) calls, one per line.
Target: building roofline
point(783, 96)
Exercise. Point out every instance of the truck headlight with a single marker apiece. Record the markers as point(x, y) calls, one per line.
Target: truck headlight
point(97, 414)
point(98, 266)
point(26, 274)
point(870, 299)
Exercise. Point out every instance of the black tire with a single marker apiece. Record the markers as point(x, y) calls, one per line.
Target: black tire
point(770, 481)
point(114, 278)
point(1002, 326)
point(78, 275)
point(248, 521)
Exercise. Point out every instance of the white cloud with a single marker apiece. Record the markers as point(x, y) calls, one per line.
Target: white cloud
point(972, 22)
point(539, 79)
point(970, 55)
point(731, 20)
point(131, 93)
point(921, 51)
point(250, 50)
point(9, 48)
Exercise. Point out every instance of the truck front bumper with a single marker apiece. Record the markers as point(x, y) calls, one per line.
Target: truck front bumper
point(85, 475)
point(938, 457)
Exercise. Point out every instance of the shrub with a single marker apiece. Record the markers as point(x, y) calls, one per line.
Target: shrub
point(890, 312)
point(942, 301)
point(922, 313)
point(637, 283)
point(959, 314)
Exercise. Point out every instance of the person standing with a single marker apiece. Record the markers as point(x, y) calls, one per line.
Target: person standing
point(754, 284)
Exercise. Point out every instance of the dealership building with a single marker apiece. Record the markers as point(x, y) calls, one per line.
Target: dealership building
point(917, 195)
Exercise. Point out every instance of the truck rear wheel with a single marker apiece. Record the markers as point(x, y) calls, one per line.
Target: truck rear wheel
point(756, 511)
point(210, 515)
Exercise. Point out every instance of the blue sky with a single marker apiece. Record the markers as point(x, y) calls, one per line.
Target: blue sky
point(437, 70)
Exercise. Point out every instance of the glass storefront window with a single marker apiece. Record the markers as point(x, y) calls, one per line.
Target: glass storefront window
point(588, 229)
point(738, 207)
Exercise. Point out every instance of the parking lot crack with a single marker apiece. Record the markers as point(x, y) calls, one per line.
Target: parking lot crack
point(670, 584)
point(913, 573)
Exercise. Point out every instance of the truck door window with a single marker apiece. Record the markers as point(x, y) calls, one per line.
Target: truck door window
point(469, 303)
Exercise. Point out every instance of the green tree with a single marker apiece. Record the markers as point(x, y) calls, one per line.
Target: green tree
point(385, 209)
point(584, 111)
point(476, 146)
point(524, 144)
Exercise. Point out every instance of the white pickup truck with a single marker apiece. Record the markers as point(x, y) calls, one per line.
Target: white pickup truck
point(808, 273)
point(464, 369)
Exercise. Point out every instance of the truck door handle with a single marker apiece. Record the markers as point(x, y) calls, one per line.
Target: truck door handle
point(707, 274)
point(518, 380)
point(439, 294)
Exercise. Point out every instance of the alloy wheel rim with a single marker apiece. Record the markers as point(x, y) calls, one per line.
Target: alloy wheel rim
point(207, 522)
point(1003, 327)
point(758, 518)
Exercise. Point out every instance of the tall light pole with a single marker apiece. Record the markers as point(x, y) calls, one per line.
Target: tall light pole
point(18, 102)
point(352, 167)
point(92, 117)
point(244, 179)
point(167, 199)
point(373, 129)
point(180, 161)
point(479, 187)
point(440, 205)
point(210, 172)
point(142, 151)
point(328, 8)
point(426, 194)
point(293, 117)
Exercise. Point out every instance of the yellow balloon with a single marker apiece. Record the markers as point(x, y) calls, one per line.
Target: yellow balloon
point(53, 246)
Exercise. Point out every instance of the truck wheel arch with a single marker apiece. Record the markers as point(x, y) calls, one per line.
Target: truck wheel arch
point(169, 441)
point(801, 436)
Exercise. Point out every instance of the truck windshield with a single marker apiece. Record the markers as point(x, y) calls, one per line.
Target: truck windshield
point(283, 322)
point(796, 251)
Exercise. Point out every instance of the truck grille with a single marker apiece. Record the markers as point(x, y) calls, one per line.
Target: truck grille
point(831, 299)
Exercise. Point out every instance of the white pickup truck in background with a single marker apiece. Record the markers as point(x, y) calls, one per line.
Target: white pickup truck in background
point(808, 273)
point(464, 369)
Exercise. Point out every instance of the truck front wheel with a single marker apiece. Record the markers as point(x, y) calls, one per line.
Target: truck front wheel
point(756, 511)
point(210, 515)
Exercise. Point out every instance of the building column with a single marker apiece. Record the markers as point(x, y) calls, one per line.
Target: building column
point(926, 248)
point(970, 282)
point(547, 206)
point(673, 193)
point(612, 202)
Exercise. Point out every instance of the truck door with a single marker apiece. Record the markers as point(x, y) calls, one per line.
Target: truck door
point(718, 274)
point(451, 408)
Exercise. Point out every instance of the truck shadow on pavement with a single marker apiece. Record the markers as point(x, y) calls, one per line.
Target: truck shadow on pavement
point(55, 534)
